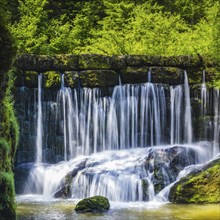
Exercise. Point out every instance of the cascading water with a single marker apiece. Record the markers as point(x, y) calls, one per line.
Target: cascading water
point(115, 145)
point(188, 131)
point(39, 144)
point(204, 102)
point(66, 113)
point(176, 95)
point(216, 122)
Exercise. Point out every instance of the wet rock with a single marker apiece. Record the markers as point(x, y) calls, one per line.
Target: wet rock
point(200, 186)
point(66, 183)
point(93, 204)
point(165, 164)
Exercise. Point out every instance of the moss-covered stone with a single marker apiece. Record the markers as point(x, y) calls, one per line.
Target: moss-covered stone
point(134, 74)
point(98, 78)
point(65, 62)
point(52, 79)
point(71, 78)
point(94, 61)
point(131, 67)
point(93, 204)
point(202, 186)
point(43, 63)
point(167, 75)
point(212, 76)
point(144, 60)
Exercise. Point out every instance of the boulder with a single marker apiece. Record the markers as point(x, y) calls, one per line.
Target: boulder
point(93, 204)
point(66, 183)
point(166, 163)
point(200, 186)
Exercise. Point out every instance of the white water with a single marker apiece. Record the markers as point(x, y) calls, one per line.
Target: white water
point(216, 122)
point(176, 95)
point(39, 144)
point(122, 139)
point(133, 116)
point(118, 175)
point(188, 130)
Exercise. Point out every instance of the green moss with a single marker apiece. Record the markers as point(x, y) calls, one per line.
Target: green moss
point(93, 204)
point(8, 126)
point(52, 79)
point(7, 194)
point(199, 187)
point(66, 62)
point(71, 78)
point(4, 148)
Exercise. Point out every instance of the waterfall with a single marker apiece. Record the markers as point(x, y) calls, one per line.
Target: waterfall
point(176, 94)
point(188, 130)
point(117, 145)
point(203, 95)
point(65, 100)
point(117, 122)
point(39, 144)
point(204, 106)
point(216, 122)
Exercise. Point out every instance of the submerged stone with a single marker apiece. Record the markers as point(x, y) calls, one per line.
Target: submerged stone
point(200, 186)
point(93, 204)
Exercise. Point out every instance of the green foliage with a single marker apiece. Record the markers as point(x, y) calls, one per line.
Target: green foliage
point(4, 151)
point(7, 195)
point(52, 78)
point(118, 27)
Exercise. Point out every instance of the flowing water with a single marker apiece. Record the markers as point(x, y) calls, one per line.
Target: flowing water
point(39, 121)
point(112, 146)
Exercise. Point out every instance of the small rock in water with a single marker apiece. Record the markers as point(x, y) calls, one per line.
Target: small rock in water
point(93, 204)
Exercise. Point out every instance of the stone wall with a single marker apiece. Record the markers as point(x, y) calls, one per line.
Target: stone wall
point(92, 70)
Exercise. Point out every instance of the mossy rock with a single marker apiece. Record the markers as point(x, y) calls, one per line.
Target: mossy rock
point(93, 204)
point(134, 74)
point(212, 76)
point(52, 79)
point(63, 62)
point(98, 78)
point(144, 60)
point(201, 186)
point(94, 61)
point(167, 75)
point(31, 79)
point(71, 79)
